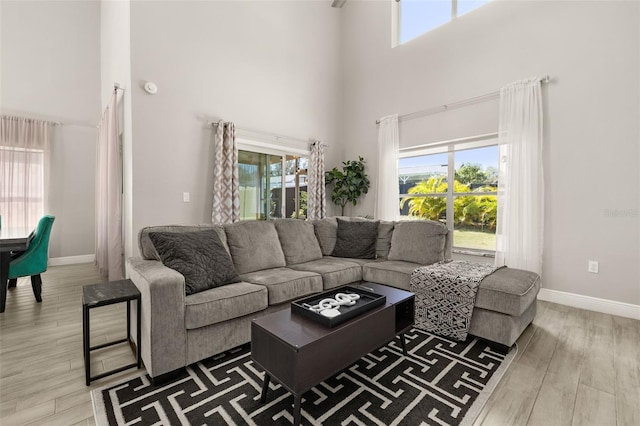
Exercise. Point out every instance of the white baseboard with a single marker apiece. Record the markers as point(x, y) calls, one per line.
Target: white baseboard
point(605, 306)
point(72, 260)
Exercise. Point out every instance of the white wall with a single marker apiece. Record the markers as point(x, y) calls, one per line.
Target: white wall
point(271, 66)
point(50, 70)
point(590, 49)
point(305, 69)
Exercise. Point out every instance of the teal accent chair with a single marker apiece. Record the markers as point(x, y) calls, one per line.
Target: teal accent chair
point(33, 261)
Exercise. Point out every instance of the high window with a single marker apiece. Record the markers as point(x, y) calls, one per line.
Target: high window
point(273, 183)
point(469, 205)
point(416, 17)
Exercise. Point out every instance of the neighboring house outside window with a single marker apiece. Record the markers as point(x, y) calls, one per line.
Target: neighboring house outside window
point(416, 17)
point(272, 181)
point(469, 206)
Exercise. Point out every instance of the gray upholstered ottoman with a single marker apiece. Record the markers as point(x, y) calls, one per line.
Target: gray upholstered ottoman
point(505, 305)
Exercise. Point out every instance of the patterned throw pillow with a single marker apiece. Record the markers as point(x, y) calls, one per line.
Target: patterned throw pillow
point(356, 239)
point(199, 256)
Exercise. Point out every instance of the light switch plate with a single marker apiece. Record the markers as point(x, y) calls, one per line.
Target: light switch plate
point(186, 197)
point(593, 266)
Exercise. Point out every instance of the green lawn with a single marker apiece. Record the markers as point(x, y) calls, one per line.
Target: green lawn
point(483, 240)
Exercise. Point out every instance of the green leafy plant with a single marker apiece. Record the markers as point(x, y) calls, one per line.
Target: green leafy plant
point(432, 208)
point(302, 213)
point(348, 184)
point(469, 211)
point(470, 173)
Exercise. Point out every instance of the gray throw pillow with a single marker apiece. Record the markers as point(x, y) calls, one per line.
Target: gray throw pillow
point(356, 239)
point(199, 256)
point(147, 249)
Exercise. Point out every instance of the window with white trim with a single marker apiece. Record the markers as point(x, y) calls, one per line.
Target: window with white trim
point(22, 189)
point(469, 206)
point(416, 17)
point(23, 160)
point(273, 181)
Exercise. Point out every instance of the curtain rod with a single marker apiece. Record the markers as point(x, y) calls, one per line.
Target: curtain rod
point(60, 122)
point(273, 135)
point(50, 122)
point(30, 119)
point(458, 104)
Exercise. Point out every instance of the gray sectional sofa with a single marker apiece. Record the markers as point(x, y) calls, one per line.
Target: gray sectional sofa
point(283, 260)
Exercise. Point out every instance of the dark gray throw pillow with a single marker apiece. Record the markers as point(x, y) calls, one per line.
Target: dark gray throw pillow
point(356, 239)
point(199, 256)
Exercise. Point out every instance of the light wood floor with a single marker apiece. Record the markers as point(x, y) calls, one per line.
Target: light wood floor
point(574, 367)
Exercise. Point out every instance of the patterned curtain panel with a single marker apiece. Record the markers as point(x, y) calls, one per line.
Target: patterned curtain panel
point(520, 181)
point(24, 153)
point(108, 243)
point(226, 185)
point(316, 201)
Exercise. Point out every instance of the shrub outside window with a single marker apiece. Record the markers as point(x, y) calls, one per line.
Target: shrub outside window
point(469, 206)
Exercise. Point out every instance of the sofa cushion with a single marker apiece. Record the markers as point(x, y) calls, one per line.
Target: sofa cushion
point(383, 242)
point(298, 241)
point(335, 272)
point(284, 284)
point(224, 303)
point(508, 290)
point(199, 256)
point(360, 262)
point(356, 239)
point(419, 241)
point(254, 245)
point(395, 273)
point(326, 230)
point(148, 250)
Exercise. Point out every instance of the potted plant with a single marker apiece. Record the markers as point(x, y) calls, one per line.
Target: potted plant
point(348, 184)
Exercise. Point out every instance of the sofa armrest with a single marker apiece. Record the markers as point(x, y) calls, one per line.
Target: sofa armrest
point(163, 332)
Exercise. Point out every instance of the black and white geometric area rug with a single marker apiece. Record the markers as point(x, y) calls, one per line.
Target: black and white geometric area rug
point(440, 382)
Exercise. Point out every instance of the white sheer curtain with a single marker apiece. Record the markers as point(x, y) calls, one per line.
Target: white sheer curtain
point(226, 184)
point(109, 195)
point(316, 201)
point(24, 154)
point(388, 195)
point(521, 187)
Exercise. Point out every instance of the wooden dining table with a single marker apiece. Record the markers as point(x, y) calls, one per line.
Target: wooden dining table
point(11, 240)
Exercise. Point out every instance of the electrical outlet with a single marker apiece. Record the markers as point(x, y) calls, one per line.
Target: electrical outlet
point(186, 197)
point(593, 266)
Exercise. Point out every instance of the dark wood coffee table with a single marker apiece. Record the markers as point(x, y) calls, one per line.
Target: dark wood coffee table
point(300, 353)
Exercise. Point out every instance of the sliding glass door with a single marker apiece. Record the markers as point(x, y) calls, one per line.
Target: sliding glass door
point(260, 185)
point(271, 185)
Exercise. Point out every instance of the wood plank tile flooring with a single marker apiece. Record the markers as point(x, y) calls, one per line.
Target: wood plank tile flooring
point(41, 362)
point(574, 367)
